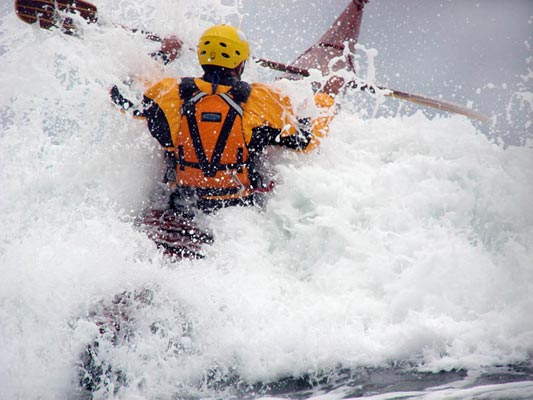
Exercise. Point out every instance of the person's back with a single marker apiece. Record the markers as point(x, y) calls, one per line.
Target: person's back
point(214, 128)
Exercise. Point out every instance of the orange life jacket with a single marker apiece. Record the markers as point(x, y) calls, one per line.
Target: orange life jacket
point(211, 153)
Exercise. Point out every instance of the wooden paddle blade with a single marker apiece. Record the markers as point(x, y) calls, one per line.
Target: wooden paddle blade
point(54, 13)
point(344, 31)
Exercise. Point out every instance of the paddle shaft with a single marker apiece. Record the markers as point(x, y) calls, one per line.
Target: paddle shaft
point(397, 94)
point(45, 13)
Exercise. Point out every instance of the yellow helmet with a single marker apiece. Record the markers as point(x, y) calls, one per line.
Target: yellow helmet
point(223, 45)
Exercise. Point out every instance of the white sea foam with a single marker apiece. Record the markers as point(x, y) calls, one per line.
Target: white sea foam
point(401, 239)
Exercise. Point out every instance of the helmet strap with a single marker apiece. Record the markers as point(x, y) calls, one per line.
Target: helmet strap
point(240, 68)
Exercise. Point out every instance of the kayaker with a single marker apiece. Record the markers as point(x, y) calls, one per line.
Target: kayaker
point(215, 128)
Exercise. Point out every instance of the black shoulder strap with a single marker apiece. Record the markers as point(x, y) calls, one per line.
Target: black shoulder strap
point(187, 88)
point(240, 92)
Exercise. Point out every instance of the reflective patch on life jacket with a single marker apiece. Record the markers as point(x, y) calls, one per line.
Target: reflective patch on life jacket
point(211, 117)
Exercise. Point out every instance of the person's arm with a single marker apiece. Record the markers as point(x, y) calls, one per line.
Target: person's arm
point(150, 110)
point(320, 124)
point(271, 120)
point(124, 104)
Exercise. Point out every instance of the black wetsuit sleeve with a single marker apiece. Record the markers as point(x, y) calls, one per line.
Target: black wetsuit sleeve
point(124, 103)
point(157, 122)
point(155, 117)
point(264, 136)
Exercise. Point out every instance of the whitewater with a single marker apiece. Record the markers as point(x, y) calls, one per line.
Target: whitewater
point(401, 251)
